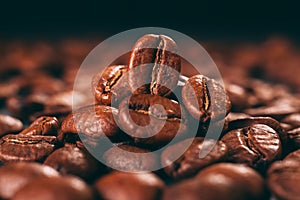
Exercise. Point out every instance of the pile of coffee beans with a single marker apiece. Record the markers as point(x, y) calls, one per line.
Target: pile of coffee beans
point(142, 106)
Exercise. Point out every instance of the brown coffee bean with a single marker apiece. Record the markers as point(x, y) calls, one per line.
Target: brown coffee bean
point(131, 158)
point(44, 125)
point(9, 124)
point(293, 120)
point(205, 98)
point(14, 176)
point(256, 145)
point(152, 119)
point(284, 178)
point(129, 186)
point(75, 161)
point(190, 162)
point(162, 72)
point(26, 147)
point(294, 137)
point(295, 156)
point(60, 188)
point(110, 86)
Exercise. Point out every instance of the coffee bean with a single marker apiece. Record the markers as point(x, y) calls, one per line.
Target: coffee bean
point(256, 145)
point(44, 125)
point(190, 162)
point(162, 71)
point(9, 124)
point(14, 176)
point(295, 156)
point(293, 120)
point(75, 161)
point(129, 186)
point(131, 158)
point(26, 147)
point(152, 119)
point(294, 137)
point(60, 188)
point(110, 86)
point(205, 98)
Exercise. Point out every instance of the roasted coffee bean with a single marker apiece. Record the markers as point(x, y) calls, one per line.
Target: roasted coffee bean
point(232, 116)
point(26, 147)
point(14, 176)
point(75, 161)
point(110, 86)
point(205, 98)
point(59, 188)
point(9, 124)
point(44, 125)
point(131, 158)
point(152, 119)
point(283, 179)
point(93, 122)
point(294, 137)
point(154, 61)
point(256, 145)
point(293, 120)
point(190, 162)
point(295, 156)
point(129, 186)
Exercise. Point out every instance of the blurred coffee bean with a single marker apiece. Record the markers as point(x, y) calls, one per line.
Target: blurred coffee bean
point(129, 186)
point(59, 188)
point(293, 120)
point(44, 125)
point(295, 156)
point(154, 65)
point(26, 147)
point(294, 138)
point(130, 158)
point(14, 176)
point(190, 162)
point(9, 124)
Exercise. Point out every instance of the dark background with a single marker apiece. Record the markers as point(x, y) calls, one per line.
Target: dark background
point(253, 20)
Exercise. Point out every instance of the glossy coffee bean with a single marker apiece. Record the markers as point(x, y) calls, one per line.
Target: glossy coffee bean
point(256, 145)
point(9, 124)
point(205, 98)
point(75, 161)
point(26, 147)
point(129, 186)
point(190, 162)
point(44, 125)
point(162, 72)
point(59, 188)
point(14, 176)
point(130, 158)
point(110, 86)
point(152, 119)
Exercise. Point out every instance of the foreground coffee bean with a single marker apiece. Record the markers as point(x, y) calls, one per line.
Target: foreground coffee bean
point(152, 119)
point(129, 186)
point(205, 98)
point(26, 147)
point(109, 86)
point(44, 125)
point(59, 188)
point(256, 145)
point(14, 176)
point(162, 71)
point(131, 158)
point(75, 161)
point(9, 124)
point(190, 162)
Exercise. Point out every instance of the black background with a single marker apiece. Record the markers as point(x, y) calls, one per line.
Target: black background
point(253, 20)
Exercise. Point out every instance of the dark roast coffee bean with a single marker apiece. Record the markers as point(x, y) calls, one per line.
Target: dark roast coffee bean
point(294, 137)
point(205, 98)
point(152, 119)
point(131, 158)
point(190, 162)
point(44, 125)
point(284, 178)
point(9, 124)
point(59, 188)
point(295, 156)
point(75, 161)
point(162, 71)
point(256, 145)
point(293, 120)
point(129, 186)
point(14, 176)
point(109, 86)
point(93, 122)
point(26, 147)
